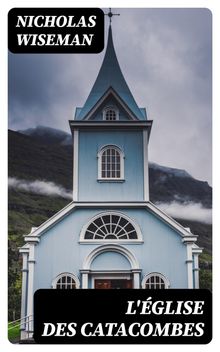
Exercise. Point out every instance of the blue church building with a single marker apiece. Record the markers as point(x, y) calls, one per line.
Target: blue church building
point(111, 235)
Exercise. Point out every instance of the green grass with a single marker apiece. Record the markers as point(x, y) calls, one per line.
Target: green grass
point(13, 332)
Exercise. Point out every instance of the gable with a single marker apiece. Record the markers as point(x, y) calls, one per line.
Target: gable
point(57, 218)
point(109, 98)
point(113, 103)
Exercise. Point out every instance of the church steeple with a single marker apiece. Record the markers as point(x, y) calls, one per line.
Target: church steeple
point(110, 76)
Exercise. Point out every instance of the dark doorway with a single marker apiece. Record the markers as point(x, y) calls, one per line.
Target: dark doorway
point(112, 283)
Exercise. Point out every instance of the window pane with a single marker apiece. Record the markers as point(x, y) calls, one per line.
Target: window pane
point(123, 222)
point(155, 282)
point(106, 219)
point(110, 115)
point(123, 237)
point(128, 227)
point(66, 282)
point(100, 232)
point(109, 226)
point(115, 219)
point(88, 235)
point(132, 235)
point(98, 222)
point(92, 227)
point(99, 237)
point(110, 164)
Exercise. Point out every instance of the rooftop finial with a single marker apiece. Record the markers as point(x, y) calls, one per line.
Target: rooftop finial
point(110, 14)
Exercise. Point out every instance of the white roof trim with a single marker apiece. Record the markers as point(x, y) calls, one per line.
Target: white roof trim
point(102, 99)
point(48, 223)
point(196, 248)
point(63, 212)
point(25, 248)
point(182, 230)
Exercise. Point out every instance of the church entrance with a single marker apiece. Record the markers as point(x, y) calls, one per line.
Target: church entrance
point(112, 284)
point(110, 267)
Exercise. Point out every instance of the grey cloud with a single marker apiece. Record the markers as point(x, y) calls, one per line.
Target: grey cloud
point(165, 55)
point(39, 187)
point(189, 211)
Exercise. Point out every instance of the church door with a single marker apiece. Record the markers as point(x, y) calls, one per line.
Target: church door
point(112, 284)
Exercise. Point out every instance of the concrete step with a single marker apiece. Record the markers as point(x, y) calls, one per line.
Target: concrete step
point(27, 341)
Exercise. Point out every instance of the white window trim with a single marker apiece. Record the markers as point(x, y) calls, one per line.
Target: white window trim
point(148, 276)
point(96, 241)
point(122, 157)
point(73, 276)
point(106, 109)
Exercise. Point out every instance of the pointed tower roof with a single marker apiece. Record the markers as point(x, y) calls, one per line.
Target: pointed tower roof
point(110, 76)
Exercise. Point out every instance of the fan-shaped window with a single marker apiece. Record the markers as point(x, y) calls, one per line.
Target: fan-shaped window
point(111, 163)
point(66, 281)
point(110, 114)
point(111, 226)
point(155, 281)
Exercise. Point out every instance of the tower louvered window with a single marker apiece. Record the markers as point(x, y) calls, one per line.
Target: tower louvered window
point(110, 114)
point(111, 227)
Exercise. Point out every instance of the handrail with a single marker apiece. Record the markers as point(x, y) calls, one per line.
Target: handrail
point(14, 326)
point(14, 321)
point(25, 324)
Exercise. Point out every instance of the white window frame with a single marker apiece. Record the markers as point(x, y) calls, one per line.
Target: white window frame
point(161, 276)
point(58, 277)
point(108, 108)
point(122, 157)
point(138, 240)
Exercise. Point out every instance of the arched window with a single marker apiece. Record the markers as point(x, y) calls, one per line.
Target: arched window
point(66, 281)
point(110, 163)
point(110, 114)
point(155, 281)
point(111, 226)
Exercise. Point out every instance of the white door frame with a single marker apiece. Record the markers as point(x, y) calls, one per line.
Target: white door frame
point(134, 272)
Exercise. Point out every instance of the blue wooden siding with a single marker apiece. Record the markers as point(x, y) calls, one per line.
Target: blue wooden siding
point(59, 249)
point(90, 189)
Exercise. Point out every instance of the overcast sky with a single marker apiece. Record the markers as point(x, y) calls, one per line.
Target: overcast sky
point(165, 56)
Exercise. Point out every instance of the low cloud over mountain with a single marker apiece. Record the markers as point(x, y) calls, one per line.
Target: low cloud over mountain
point(187, 211)
point(39, 187)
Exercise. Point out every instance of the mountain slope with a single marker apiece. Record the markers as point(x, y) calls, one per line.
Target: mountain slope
point(48, 135)
point(31, 159)
point(169, 184)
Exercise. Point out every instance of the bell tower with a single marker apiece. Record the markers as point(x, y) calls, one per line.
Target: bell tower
point(110, 139)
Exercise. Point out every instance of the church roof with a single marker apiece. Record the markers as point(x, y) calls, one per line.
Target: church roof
point(110, 76)
point(186, 235)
